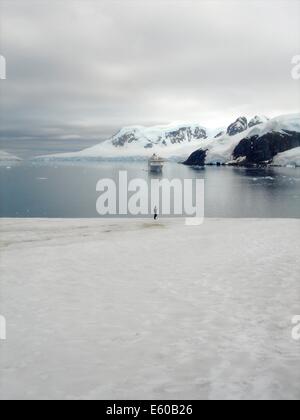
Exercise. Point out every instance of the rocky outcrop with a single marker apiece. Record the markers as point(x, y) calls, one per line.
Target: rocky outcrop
point(221, 133)
point(199, 133)
point(257, 150)
point(197, 158)
point(257, 120)
point(120, 141)
point(186, 134)
point(240, 125)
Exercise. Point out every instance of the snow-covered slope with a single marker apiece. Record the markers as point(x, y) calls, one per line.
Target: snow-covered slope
point(7, 157)
point(279, 124)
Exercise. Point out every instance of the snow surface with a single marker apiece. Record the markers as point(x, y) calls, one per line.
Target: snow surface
point(137, 310)
point(281, 124)
point(220, 149)
point(289, 158)
point(7, 157)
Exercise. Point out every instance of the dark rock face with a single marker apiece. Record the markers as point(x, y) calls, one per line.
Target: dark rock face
point(126, 138)
point(178, 136)
point(197, 158)
point(257, 120)
point(261, 150)
point(219, 134)
point(240, 125)
point(186, 134)
point(199, 133)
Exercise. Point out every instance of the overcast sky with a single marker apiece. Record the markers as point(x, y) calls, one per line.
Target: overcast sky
point(87, 68)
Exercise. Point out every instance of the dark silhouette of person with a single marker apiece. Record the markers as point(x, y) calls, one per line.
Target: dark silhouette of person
point(155, 213)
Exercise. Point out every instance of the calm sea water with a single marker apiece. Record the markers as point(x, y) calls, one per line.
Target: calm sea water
point(68, 190)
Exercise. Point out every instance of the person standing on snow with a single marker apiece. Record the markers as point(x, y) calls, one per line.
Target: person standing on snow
point(155, 213)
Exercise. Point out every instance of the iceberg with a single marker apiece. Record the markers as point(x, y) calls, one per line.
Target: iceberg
point(7, 157)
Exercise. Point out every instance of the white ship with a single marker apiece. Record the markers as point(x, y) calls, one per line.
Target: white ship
point(155, 164)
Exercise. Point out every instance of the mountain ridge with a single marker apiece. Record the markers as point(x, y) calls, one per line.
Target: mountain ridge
point(177, 141)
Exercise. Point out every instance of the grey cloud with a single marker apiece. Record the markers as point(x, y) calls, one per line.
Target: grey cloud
point(86, 68)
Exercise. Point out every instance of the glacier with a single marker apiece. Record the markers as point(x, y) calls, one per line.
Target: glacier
point(289, 158)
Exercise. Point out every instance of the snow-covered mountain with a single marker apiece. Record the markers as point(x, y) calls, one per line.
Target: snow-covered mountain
point(137, 142)
point(149, 137)
point(178, 141)
point(240, 125)
point(257, 144)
